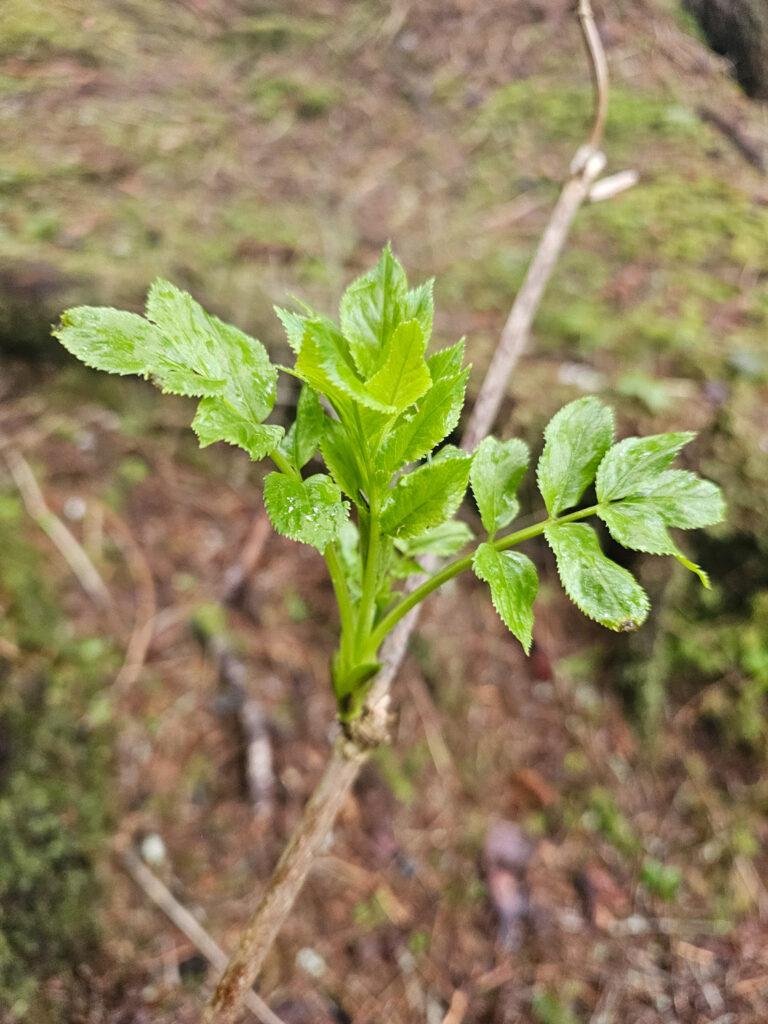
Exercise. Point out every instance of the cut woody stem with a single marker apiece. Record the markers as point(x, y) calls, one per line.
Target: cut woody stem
point(367, 732)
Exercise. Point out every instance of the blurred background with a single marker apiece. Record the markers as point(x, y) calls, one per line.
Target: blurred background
point(148, 618)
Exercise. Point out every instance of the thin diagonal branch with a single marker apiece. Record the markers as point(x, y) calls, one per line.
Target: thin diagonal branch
point(72, 551)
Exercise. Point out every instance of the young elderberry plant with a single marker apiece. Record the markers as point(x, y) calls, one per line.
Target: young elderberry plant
point(376, 410)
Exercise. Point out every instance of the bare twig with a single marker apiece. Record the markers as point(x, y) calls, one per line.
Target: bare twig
point(457, 1009)
point(73, 553)
point(371, 728)
point(146, 605)
point(598, 66)
point(607, 188)
point(189, 926)
point(430, 722)
point(237, 574)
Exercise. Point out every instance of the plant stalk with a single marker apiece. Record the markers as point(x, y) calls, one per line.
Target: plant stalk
point(284, 465)
point(343, 600)
point(370, 580)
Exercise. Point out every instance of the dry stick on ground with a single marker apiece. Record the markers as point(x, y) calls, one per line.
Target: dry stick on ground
point(457, 1009)
point(143, 629)
point(370, 730)
point(189, 926)
point(62, 537)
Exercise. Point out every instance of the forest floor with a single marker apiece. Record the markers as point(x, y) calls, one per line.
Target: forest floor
point(246, 154)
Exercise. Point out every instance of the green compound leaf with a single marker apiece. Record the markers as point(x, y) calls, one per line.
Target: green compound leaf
point(685, 500)
point(638, 524)
point(418, 431)
point(308, 510)
point(188, 352)
point(576, 439)
point(497, 469)
point(446, 539)
point(427, 496)
point(600, 588)
point(306, 432)
point(325, 365)
point(514, 583)
point(634, 464)
point(403, 375)
point(370, 310)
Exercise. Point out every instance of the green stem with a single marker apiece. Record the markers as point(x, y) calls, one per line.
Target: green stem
point(370, 580)
point(341, 590)
point(410, 601)
point(284, 465)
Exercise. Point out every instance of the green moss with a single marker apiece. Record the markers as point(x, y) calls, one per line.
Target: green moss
point(54, 778)
point(552, 112)
point(274, 31)
point(676, 219)
point(731, 651)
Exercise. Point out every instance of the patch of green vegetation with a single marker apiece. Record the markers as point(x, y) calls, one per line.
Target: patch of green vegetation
point(272, 226)
point(654, 394)
point(709, 648)
point(34, 30)
point(419, 943)
point(557, 113)
point(268, 32)
point(371, 914)
point(606, 818)
point(55, 741)
point(663, 880)
point(730, 652)
point(303, 98)
point(549, 1009)
point(690, 242)
point(295, 606)
point(676, 220)
point(737, 459)
point(659, 270)
point(400, 769)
